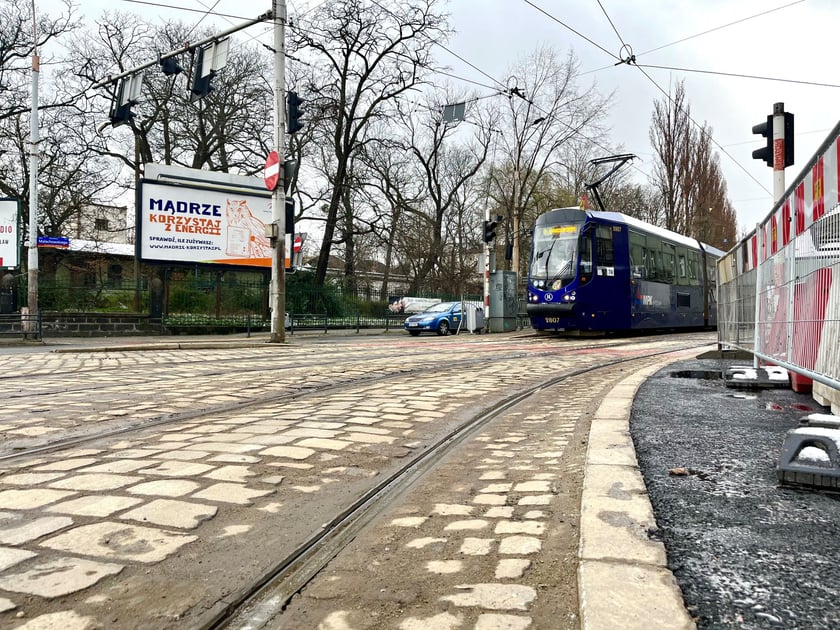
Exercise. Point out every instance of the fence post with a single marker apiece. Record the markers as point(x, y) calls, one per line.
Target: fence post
point(325, 323)
point(358, 322)
point(248, 324)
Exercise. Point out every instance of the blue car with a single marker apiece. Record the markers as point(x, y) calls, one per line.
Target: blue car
point(440, 318)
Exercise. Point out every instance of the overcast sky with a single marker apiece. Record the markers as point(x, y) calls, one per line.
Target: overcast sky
point(695, 40)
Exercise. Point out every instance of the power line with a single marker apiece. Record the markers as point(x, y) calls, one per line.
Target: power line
point(696, 124)
point(564, 25)
point(177, 8)
point(717, 28)
point(631, 61)
point(740, 76)
point(611, 23)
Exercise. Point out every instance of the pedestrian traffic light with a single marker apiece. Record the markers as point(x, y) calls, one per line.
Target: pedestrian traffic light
point(490, 230)
point(294, 113)
point(788, 139)
point(766, 153)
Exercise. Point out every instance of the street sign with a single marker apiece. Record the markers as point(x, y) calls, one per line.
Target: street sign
point(61, 242)
point(272, 170)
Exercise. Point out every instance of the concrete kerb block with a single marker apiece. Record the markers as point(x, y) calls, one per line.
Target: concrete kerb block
point(610, 444)
point(623, 579)
point(630, 597)
point(617, 518)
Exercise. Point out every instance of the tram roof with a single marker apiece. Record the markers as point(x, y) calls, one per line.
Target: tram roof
point(618, 217)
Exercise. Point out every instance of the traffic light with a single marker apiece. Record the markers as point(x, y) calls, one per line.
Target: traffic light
point(170, 67)
point(294, 113)
point(765, 129)
point(290, 215)
point(490, 230)
point(788, 139)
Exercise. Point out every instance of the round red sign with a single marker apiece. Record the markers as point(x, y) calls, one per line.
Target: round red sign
point(272, 170)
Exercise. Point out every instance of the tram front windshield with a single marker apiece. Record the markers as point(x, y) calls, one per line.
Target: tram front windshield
point(554, 253)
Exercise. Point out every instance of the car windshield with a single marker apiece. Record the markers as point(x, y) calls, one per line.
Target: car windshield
point(439, 308)
point(555, 251)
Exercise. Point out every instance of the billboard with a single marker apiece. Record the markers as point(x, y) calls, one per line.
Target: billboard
point(9, 232)
point(192, 223)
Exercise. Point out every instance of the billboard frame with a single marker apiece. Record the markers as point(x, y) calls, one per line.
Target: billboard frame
point(208, 223)
point(9, 252)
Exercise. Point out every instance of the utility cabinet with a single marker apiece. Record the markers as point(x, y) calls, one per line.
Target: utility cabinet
point(503, 303)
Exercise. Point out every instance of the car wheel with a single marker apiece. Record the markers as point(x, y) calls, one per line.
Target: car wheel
point(414, 333)
point(443, 328)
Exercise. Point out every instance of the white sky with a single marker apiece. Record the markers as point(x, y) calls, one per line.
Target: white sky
point(795, 43)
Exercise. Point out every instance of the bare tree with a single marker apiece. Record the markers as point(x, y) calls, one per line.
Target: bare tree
point(687, 173)
point(70, 173)
point(228, 130)
point(363, 56)
point(672, 137)
point(546, 116)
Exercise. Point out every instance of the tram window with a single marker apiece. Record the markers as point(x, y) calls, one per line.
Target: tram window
point(586, 253)
point(693, 266)
point(669, 260)
point(682, 266)
point(637, 258)
point(604, 251)
point(654, 265)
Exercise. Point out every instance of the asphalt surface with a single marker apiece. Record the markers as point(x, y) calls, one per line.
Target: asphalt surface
point(746, 552)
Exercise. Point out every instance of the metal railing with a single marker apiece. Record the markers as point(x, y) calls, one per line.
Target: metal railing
point(21, 325)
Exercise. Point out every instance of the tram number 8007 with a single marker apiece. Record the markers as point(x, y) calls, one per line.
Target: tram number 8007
point(552, 320)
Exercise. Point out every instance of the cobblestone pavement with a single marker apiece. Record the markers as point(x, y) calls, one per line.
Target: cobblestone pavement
point(151, 527)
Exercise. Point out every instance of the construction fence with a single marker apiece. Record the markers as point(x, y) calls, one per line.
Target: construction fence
point(779, 288)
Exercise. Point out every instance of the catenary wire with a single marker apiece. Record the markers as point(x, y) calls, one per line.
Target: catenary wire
point(722, 26)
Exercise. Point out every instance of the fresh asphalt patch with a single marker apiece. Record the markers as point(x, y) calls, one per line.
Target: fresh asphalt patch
point(746, 552)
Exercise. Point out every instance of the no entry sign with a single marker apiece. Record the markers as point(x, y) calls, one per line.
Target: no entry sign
point(272, 170)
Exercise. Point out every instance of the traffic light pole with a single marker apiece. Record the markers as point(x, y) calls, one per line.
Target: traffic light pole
point(486, 273)
point(277, 289)
point(32, 260)
point(778, 151)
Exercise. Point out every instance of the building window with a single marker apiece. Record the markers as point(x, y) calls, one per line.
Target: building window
point(101, 225)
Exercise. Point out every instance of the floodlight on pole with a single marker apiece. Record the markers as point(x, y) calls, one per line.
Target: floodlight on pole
point(128, 94)
point(209, 60)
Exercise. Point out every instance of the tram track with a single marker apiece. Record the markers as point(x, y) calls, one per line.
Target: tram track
point(292, 389)
point(254, 605)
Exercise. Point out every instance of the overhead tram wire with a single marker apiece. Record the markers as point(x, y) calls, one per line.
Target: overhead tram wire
point(607, 15)
point(739, 76)
point(505, 89)
point(706, 32)
point(564, 25)
point(177, 8)
point(717, 28)
point(631, 61)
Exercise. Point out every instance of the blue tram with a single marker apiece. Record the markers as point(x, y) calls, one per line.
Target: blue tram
point(605, 271)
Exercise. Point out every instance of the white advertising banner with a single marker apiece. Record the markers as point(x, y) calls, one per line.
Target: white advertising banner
point(177, 223)
point(9, 233)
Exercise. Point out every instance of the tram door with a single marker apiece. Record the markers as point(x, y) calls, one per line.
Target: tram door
point(612, 291)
